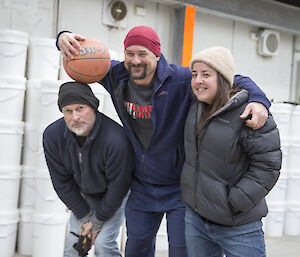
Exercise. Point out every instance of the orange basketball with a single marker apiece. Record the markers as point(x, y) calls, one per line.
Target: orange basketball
point(92, 63)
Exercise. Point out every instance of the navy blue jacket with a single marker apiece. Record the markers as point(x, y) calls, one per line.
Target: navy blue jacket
point(102, 168)
point(161, 163)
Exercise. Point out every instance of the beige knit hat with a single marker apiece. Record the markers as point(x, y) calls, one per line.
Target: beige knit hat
point(219, 58)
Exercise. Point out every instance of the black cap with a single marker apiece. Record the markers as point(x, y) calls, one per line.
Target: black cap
point(76, 93)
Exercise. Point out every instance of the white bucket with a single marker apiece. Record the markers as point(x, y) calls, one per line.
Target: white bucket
point(49, 235)
point(43, 59)
point(109, 108)
point(13, 52)
point(12, 92)
point(32, 103)
point(48, 101)
point(275, 220)
point(278, 192)
point(294, 154)
point(292, 219)
point(25, 232)
point(11, 134)
point(8, 233)
point(285, 154)
point(295, 123)
point(162, 237)
point(100, 92)
point(293, 187)
point(33, 152)
point(63, 75)
point(41, 101)
point(282, 115)
point(27, 189)
point(9, 187)
point(46, 199)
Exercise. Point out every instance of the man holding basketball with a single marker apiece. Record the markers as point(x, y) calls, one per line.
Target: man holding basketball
point(152, 99)
point(90, 161)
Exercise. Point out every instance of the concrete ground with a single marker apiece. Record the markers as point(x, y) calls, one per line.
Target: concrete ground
point(285, 246)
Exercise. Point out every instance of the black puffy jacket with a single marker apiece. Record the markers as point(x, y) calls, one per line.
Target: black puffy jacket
point(229, 168)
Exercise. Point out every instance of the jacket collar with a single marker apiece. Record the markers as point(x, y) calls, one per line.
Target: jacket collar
point(234, 102)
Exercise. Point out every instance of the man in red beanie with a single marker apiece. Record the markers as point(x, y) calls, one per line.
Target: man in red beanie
point(152, 99)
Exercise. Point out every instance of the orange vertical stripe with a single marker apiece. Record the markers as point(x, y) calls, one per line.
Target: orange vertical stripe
point(187, 48)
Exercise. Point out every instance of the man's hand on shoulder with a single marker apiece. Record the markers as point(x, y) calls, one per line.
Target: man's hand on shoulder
point(258, 113)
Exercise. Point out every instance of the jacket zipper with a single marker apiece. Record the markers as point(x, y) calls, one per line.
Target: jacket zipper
point(143, 162)
point(80, 157)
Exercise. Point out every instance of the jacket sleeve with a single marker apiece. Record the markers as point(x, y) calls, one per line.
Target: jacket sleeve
point(56, 43)
point(119, 167)
point(62, 180)
point(255, 93)
point(106, 82)
point(262, 147)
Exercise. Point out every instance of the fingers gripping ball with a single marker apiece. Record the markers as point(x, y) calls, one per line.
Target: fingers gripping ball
point(92, 63)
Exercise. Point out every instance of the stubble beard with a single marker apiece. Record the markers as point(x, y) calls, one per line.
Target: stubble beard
point(137, 77)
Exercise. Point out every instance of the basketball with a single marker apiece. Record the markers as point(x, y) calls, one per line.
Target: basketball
point(92, 63)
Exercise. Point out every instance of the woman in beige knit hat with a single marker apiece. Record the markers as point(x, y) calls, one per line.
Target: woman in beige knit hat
point(229, 168)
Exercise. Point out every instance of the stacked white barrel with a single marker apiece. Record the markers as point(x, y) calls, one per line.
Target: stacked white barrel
point(44, 217)
point(283, 201)
point(292, 220)
point(13, 52)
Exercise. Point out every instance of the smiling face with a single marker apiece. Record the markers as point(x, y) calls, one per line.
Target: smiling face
point(141, 64)
point(204, 82)
point(79, 118)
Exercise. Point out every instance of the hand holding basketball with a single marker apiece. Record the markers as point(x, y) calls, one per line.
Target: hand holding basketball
point(69, 44)
point(91, 64)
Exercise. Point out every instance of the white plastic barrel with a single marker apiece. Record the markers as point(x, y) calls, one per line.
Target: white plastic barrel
point(46, 199)
point(27, 188)
point(13, 53)
point(295, 123)
point(33, 152)
point(162, 237)
point(278, 192)
point(8, 232)
point(109, 108)
point(12, 92)
point(282, 115)
point(25, 232)
point(41, 101)
point(43, 59)
point(292, 219)
point(49, 234)
point(62, 73)
point(100, 92)
point(48, 101)
point(11, 134)
point(293, 157)
point(9, 187)
point(285, 154)
point(293, 187)
point(32, 103)
point(275, 220)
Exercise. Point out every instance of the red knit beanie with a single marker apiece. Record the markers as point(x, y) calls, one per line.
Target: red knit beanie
point(144, 36)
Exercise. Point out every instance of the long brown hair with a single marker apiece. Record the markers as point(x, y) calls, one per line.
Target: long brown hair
point(224, 92)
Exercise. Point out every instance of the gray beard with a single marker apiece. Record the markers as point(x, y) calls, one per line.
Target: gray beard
point(79, 131)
